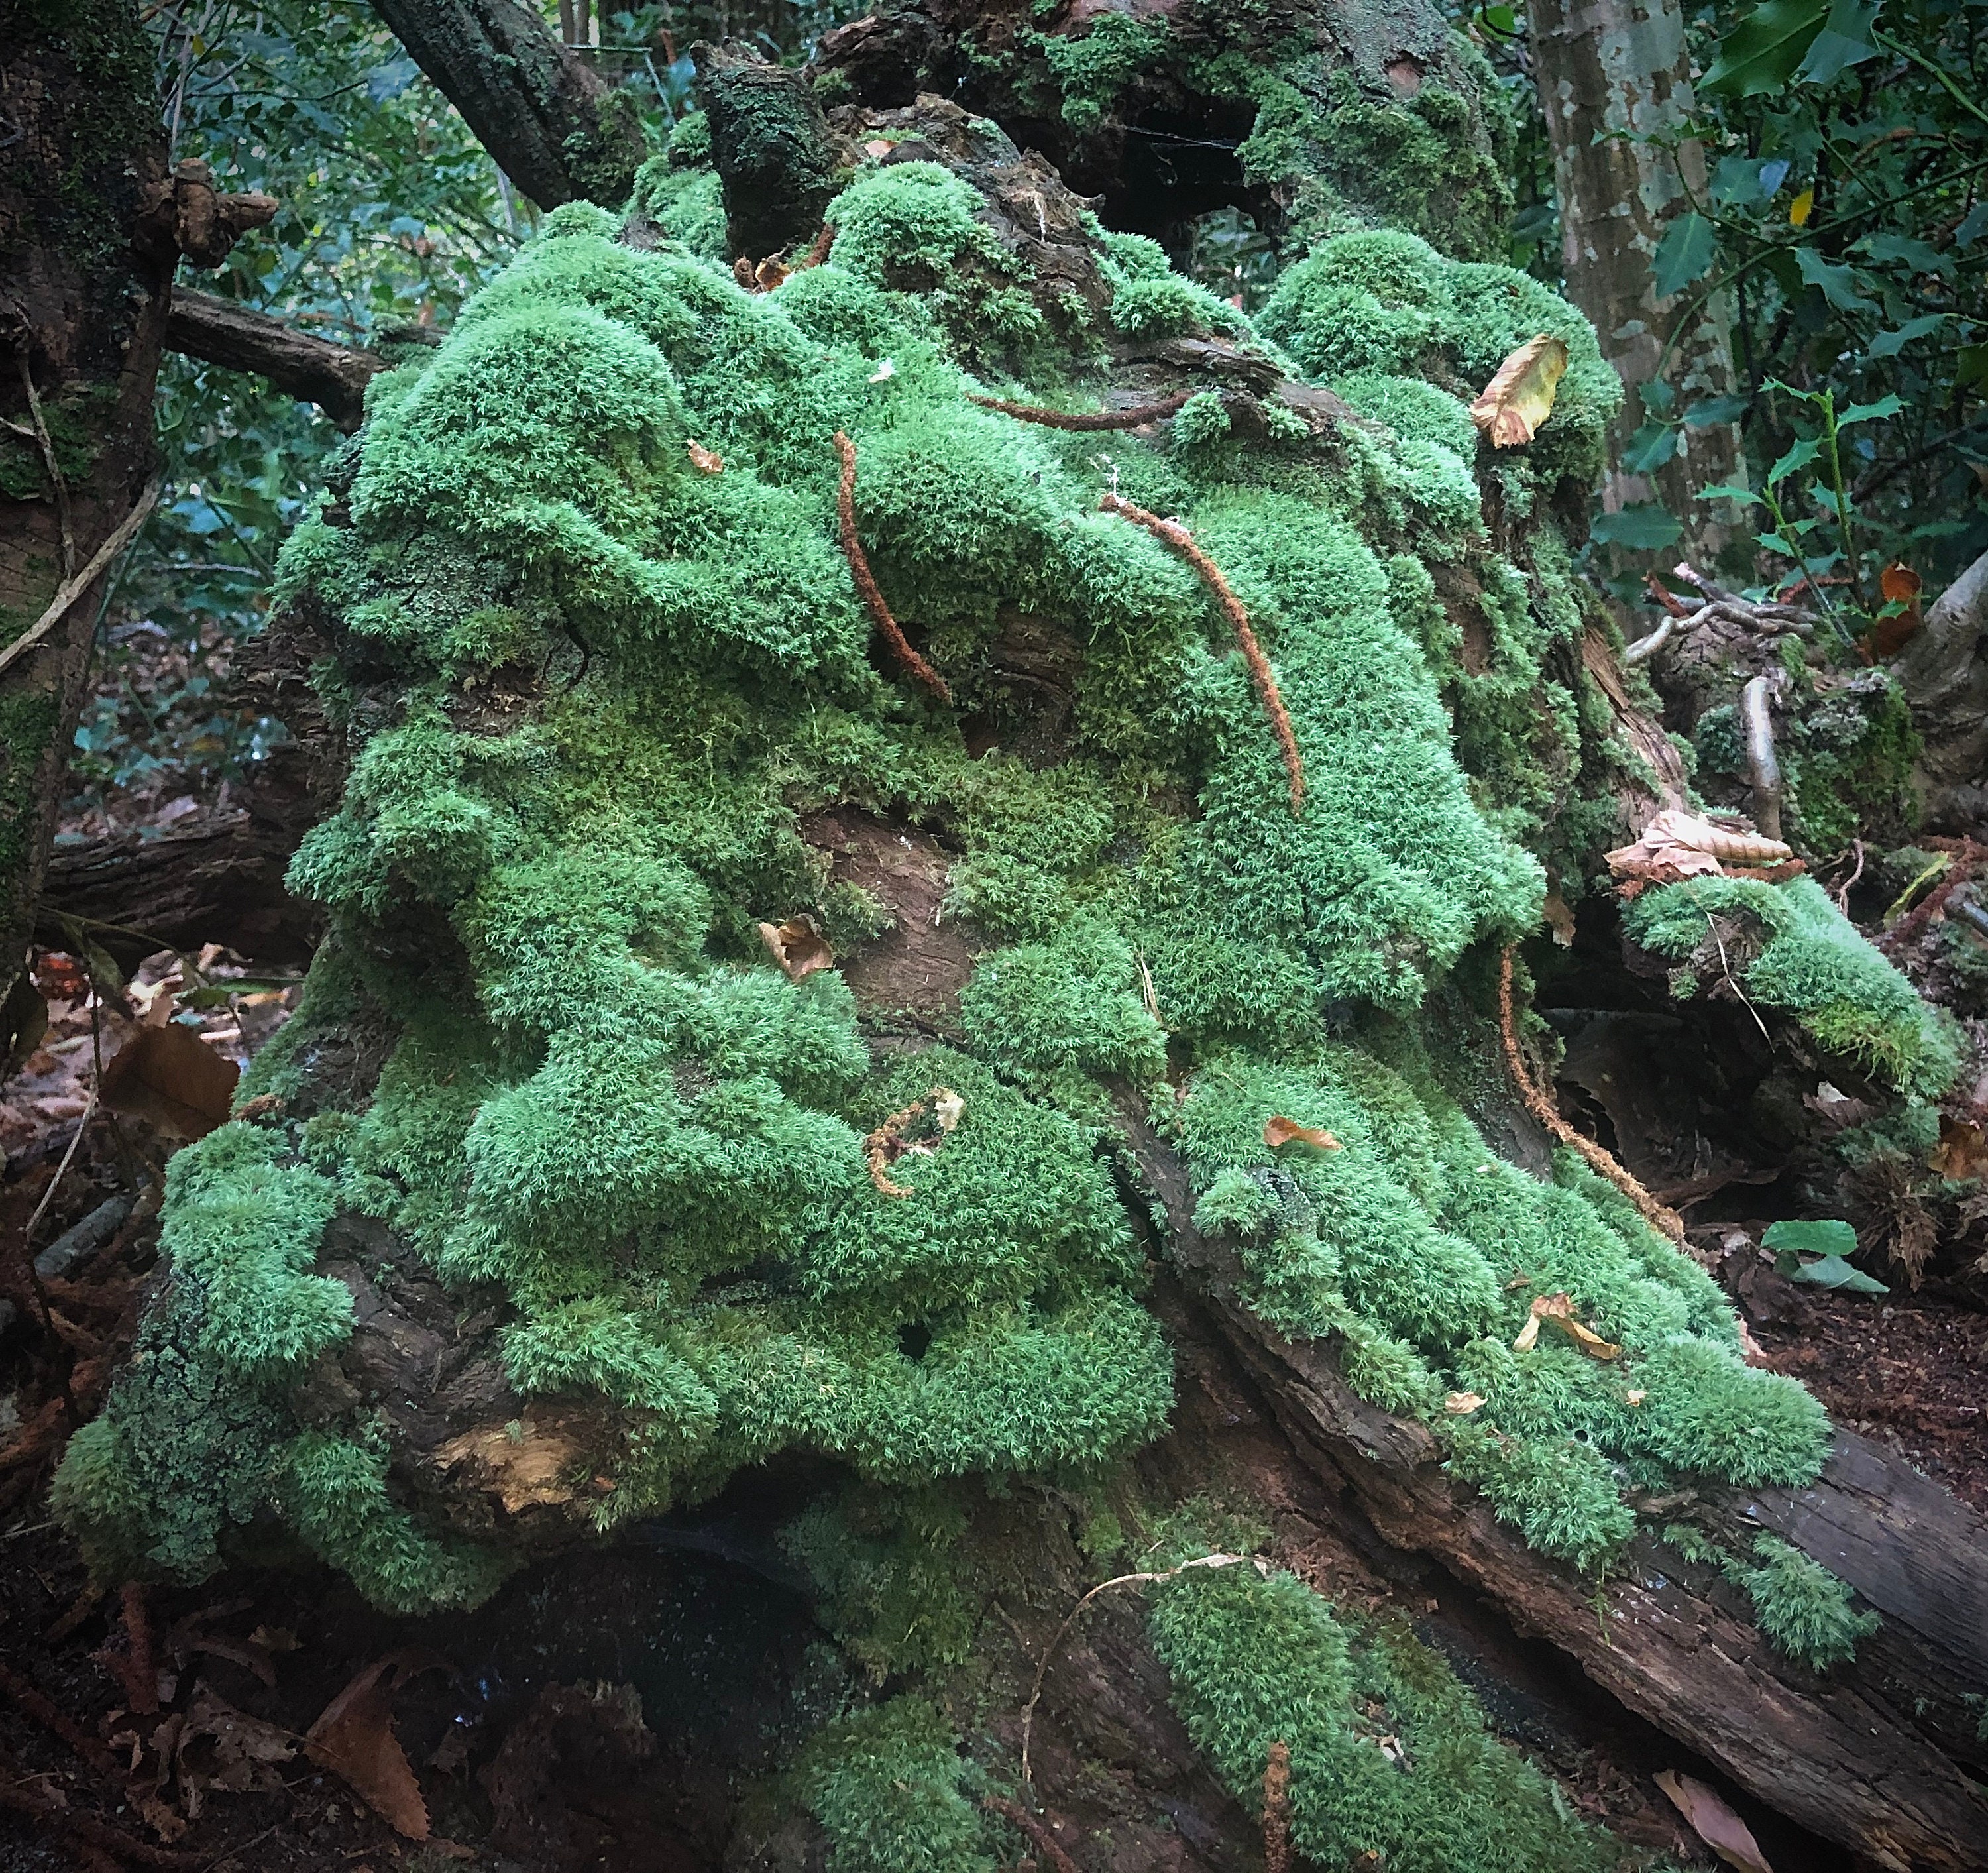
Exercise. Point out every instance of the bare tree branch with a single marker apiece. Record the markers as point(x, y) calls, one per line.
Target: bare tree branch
point(217, 331)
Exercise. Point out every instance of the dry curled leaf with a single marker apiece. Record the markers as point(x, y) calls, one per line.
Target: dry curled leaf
point(1635, 1397)
point(770, 272)
point(1680, 845)
point(917, 1131)
point(797, 946)
point(353, 1737)
point(705, 460)
point(170, 1076)
point(1901, 585)
point(1520, 397)
point(1713, 1821)
point(1279, 1132)
point(1461, 1404)
point(1962, 1153)
point(1557, 1310)
point(1559, 919)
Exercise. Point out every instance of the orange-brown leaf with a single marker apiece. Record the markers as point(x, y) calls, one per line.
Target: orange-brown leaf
point(1279, 1132)
point(1901, 585)
point(353, 1737)
point(1961, 1151)
point(1714, 1823)
point(705, 460)
point(168, 1075)
point(1520, 397)
point(797, 946)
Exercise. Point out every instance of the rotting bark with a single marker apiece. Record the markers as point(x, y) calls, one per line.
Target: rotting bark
point(1608, 74)
point(770, 146)
point(555, 126)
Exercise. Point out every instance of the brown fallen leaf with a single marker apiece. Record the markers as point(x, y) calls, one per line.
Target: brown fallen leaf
point(1558, 1310)
point(353, 1737)
point(1713, 1821)
point(797, 946)
point(705, 460)
point(769, 273)
point(1961, 1151)
point(1900, 586)
point(1520, 397)
point(1680, 845)
point(1559, 919)
point(1279, 1132)
point(1461, 1404)
point(171, 1077)
point(917, 1131)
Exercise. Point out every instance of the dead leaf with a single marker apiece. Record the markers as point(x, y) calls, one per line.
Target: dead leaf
point(353, 1737)
point(1680, 845)
point(705, 460)
point(1557, 1310)
point(1279, 1132)
point(1634, 1398)
point(878, 148)
point(1713, 1821)
point(1461, 1404)
point(1520, 397)
point(1962, 1152)
point(770, 272)
point(797, 946)
point(1528, 1334)
point(1901, 585)
point(227, 1748)
point(903, 1135)
point(1559, 919)
point(168, 1076)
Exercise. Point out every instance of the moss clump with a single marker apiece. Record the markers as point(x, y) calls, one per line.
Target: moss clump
point(886, 1785)
point(1389, 1756)
point(1803, 1607)
point(1805, 959)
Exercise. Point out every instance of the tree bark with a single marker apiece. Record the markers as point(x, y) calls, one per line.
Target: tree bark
point(217, 331)
point(1605, 70)
point(1945, 674)
point(555, 127)
point(86, 249)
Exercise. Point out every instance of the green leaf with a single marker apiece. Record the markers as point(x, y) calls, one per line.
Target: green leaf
point(1902, 250)
point(1719, 492)
point(1838, 284)
point(1843, 41)
point(1761, 52)
point(1502, 20)
point(1799, 456)
point(1972, 368)
point(1643, 528)
point(1827, 1235)
point(1709, 410)
point(1649, 448)
point(1745, 182)
point(1889, 344)
point(1689, 246)
point(1831, 1272)
point(1887, 405)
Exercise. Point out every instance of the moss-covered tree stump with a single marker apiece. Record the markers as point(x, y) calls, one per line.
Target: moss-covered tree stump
point(808, 990)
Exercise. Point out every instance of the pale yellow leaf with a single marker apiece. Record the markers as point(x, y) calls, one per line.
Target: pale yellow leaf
point(1520, 397)
point(1714, 1823)
point(1801, 208)
point(1461, 1404)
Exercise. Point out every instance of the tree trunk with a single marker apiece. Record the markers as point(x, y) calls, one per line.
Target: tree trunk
point(87, 263)
point(1604, 70)
point(838, 908)
point(555, 128)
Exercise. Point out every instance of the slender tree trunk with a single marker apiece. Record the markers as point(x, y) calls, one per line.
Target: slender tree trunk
point(1609, 72)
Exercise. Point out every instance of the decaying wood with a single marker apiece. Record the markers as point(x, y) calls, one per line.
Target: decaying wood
point(217, 331)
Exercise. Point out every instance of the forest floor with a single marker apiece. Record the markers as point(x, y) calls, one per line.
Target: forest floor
point(195, 1729)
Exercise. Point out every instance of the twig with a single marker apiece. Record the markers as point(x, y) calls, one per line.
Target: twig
point(31, 1702)
point(137, 1669)
point(47, 447)
point(1763, 769)
point(1644, 648)
point(1034, 1827)
point(71, 589)
point(28, 1245)
point(1542, 1108)
point(866, 580)
point(1277, 1809)
point(1063, 1632)
point(1843, 890)
point(1177, 537)
point(1131, 418)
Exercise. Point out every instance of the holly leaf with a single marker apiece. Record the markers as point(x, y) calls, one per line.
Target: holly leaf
point(1649, 448)
point(1837, 283)
point(1887, 405)
point(1709, 410)
point(1689, 246)
point(1761, 53)
point(1902, 250)
point(1799, 455)
point(1644, 526)
point(1843, 41)
point(1719, 492)
point(1831, 1271)
point(1889, 344)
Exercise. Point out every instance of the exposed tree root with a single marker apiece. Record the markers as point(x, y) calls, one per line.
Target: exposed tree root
point(1131, 418)
point(1177, 537)
point(1541, 1106)
point(866, 580)
point(15, 1794)
point(1277, 1811)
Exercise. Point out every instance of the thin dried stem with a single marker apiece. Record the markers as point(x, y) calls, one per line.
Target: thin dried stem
point(1277, 1809)
point(46, 443)
point(1177, 537)
point(866, 580)
point(1134, 417)
point(1536, 1101)
point(1070, 1619)
point(1036, 1828)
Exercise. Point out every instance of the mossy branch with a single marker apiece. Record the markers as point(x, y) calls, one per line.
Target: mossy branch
point(866, 580)
point(1177, 537)
point(1541, 1106)
point(1135, 417)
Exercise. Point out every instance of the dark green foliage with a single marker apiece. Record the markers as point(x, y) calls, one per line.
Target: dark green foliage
point(885, 1786)
point(1803, 1607)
